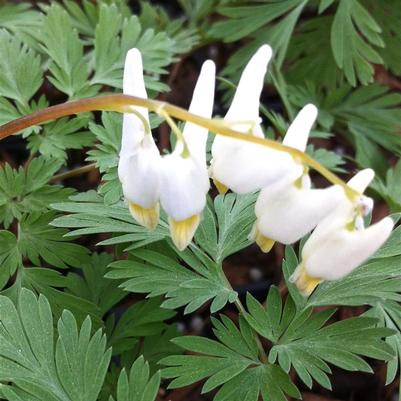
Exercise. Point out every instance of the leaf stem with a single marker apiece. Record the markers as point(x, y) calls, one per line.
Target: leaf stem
point(126, 104)
point(74, 172)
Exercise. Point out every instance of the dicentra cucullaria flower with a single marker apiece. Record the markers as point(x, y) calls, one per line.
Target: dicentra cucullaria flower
point(340, 242)
point(184, 174)
point(139, 164)
point(242, 166)
point(180, 180)
point(292, 199)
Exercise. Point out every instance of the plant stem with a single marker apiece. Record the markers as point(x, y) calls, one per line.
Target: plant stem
point(127, 104)
point(74, 172)
point(262, 353)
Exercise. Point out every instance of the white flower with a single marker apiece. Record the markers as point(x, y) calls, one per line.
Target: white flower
point(289, 208)
point(242, 166)
point(184, 175)
point(139, 164)
point(340, 243)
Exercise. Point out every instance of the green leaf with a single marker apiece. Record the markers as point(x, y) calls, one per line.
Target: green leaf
point(90, 215)
point(82, 360)
point(308, 346)
point(389, 188)
point(10, 258)
point(370, 111)
point(354, 33)
point(58, 136)
point(156, 274)
point(52, 284)
point(388, 14)
point(144, 318)
point(234, 215)
point(329, 159)
point(303, 63)
point(137, 385)
point(93, 286)
point(219, 361)
point(232, 363)
point(159, 346)
point(39, 240)
point(68, 67)
point(27, 190)
point(246, 19)
point(74, 368)
point(21, 73)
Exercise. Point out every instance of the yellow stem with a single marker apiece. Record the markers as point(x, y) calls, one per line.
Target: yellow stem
point(177, 132)
point(124, 103)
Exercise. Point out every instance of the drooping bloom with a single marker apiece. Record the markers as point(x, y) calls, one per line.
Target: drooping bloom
point(242, 166)
point(290, 208)
point(184, 175)
point(139, 164)
point(180, 181)
point(340, 243)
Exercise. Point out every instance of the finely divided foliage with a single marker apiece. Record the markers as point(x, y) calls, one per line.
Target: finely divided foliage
point(69, 259)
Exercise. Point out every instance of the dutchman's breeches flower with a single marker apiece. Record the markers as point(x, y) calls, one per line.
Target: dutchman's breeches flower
point(180, 180)
point(185, 179)
point(290, 208)
point(242, 166)
point(139, 164)
point(340, 242)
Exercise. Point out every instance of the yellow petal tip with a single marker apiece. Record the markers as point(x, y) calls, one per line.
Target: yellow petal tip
point(265, 244)
point(220, 187)
point(183, 231)
point(147, 217)
point(304, 282)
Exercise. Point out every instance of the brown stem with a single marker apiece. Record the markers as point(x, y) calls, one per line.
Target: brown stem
point(126, 104)
point(74, 172)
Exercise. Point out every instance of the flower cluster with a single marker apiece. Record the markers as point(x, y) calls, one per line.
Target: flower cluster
point(287, 208)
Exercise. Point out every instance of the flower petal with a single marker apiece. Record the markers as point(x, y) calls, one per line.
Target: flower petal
point(133, 84)
point(184, 185)
point(202, 104)
point(147, 217)
point(340, 252)
point(245, 104)
point(139, 174)
point(183, 231)
point(361, 180)
point(250, 167)
point(285, 213)
point(298, 132)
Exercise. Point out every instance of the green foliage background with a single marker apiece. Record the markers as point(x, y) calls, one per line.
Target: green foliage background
point(63, 333)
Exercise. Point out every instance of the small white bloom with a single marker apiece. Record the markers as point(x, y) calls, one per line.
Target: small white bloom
point(289, 208)
point(340, 243)
point(139, 164)
point(242, 166)
point(184, 177)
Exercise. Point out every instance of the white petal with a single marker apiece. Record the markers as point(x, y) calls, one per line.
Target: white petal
point(184, 185)
point(361, 180)
point(202, 105)
point(340, 253)
point(245, 104)
point(139, 174)
point(298, 132)
point(249, 167)
point(285, 213)
point(134, 85)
